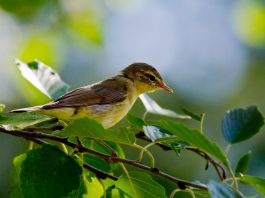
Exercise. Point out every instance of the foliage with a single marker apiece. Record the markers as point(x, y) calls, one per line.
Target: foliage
point(95, 165)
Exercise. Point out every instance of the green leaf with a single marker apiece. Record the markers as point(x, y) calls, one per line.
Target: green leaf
point(140, 185)
point(155, 133)
point(97, 162)
point(86, 26)
point(241, 124)
point(44, 78)
point(21, 120)
point(135, 121)
point(255, 182)
point(221, 190)
point(85, 127)
point(192, 137)
point(22, 9)
point(95, 145)
point(201, 193)
point(2, 108)
point(242, 164)
point(94, 188)
point(152, 107)
point(192, 115)
point(15, 191)
point(49, 172)
point(159, 135)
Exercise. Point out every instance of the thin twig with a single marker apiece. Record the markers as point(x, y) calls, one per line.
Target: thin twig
point(99, 173)
point(37, 137)
point(218, 167)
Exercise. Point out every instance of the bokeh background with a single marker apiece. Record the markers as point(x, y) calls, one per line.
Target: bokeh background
point(212, 53)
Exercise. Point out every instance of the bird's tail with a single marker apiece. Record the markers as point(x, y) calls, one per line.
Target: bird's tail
point(27, 109)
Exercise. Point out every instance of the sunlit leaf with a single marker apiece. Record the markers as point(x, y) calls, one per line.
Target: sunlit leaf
point(241, 124)
point(221, 190)
point(152, 107)
point(192, 137)
point(256, 182)
point(2, 108)
point(249, 22)
point(58, 176)
point(86, 25)
point(140, 185)
point(242, 164)
point(44, 78)
point(94, 188)
point(85, 127)
point(15, 191)
point(43, 45)
point(22, 120)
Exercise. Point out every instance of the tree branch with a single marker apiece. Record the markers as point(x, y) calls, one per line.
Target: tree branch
point(38, 138)
point(217, 166)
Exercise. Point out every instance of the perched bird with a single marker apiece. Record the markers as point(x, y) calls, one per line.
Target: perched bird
point(107, 101)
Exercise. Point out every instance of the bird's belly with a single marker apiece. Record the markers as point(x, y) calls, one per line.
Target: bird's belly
point(108, 115)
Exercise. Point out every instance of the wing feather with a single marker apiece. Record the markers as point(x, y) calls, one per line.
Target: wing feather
point(106, 92)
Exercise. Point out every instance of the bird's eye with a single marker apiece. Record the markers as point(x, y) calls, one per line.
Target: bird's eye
point(150, 77)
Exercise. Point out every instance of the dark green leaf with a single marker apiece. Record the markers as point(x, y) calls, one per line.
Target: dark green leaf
point(221, 190)
point(192, 137)
point(85, 127)
point(22, 120)
point(44, 78)
point(25, 8)
point(135, 121)
point(255, 182)
point(151, 106)
point(96, 145)
point(192, 115)
point(242, 164)
point(241, 124)
point(97, 162)
point(49, 172)
point(140, 185)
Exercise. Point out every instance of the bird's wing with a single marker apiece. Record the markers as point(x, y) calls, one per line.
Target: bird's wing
point(106, 92)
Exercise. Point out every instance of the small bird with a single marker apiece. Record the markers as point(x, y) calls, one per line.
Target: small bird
point(107, 101)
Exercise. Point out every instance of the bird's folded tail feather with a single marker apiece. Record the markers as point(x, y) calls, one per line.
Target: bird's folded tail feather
point(27, 109)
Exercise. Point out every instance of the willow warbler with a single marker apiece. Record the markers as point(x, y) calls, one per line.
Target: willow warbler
point(107, 101)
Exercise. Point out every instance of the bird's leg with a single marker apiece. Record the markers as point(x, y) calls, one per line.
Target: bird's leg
point(113, 152)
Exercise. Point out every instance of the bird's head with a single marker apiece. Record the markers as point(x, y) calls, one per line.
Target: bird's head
point(145, 77)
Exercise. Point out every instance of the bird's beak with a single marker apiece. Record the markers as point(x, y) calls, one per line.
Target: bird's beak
point(165, 87)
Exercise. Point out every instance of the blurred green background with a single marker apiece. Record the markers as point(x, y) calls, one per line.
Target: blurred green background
point(212, 53)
